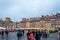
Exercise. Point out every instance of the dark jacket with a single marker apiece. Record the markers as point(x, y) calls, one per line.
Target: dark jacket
point(38, 35)
point(19, 34)
point(6, 32)
point(2, 33)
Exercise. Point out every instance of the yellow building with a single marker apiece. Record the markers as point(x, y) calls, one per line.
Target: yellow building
point(7, 19)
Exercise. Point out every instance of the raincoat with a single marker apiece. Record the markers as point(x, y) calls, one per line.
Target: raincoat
point(31, 36)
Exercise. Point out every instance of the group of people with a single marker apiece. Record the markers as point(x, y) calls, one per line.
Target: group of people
point(37, 34)
point(2, 33)
point(33, 34)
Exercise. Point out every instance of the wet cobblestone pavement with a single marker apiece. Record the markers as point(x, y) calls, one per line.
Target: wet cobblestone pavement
point(13, 36)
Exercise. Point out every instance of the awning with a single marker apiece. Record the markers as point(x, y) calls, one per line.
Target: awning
point(26, 28)
point(2, 28)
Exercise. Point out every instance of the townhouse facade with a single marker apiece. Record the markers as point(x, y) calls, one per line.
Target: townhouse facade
point(47, 22)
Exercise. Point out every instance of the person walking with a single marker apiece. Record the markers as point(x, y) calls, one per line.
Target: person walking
point(44, 34)
point(19, 35)
point(2, 33)
point(6, 32)
point(58, 36)
point(30, 35)
point(38, 35)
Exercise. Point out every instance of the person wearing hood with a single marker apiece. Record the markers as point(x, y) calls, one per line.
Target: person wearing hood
point(19, 35)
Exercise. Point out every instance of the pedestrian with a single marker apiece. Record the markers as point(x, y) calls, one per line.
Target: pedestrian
point(44, 34)
point(47, 33)
point(6, 32)
point(58, 36)
point(38, 35)
point(19, 35)
point(28, 35)
point(2, 33)
point(21, 30)
point(31, 36)
point(34, 32)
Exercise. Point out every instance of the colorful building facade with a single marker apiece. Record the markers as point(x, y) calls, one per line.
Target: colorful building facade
point(47, 22)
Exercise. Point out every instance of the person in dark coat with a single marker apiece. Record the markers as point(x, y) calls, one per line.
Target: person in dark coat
point(2, 33)
point(38, 35)
point(19, 34)
point(6, 32)
point(28, 35)
point(23, 32)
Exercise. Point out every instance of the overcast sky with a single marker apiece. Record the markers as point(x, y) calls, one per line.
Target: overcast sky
point(18, 9)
